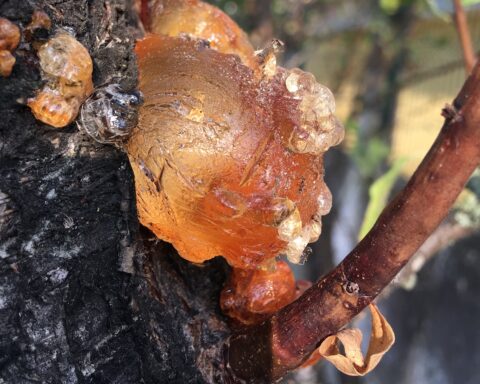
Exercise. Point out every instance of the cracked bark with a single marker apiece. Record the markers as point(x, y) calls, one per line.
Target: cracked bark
point(85, 295)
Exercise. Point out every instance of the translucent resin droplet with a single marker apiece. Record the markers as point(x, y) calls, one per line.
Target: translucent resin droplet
point(7, 61)
point(319, 129)
point(250, 296)
point(110, 114)
point(296, 246)
point(9, 40)
point(67, 69)
point(315, 229)
point(53, 109)
point(292, 82)
point(324, 201)
point(9, 35)
point(291, 226)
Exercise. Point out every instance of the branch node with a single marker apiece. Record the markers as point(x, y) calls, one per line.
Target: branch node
point(451, 114)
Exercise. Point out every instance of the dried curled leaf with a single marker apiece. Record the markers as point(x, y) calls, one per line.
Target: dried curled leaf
point(353, 363)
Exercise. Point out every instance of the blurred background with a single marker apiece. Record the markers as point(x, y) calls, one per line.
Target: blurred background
point(392, 65)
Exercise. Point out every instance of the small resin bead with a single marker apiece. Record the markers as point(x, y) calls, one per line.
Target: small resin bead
point(67, 68)
point(7, 61)
point(9, 35)
point(9, 40)
point(249, 296)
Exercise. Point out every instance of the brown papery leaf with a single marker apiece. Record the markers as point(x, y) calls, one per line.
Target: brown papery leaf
point(353, 362)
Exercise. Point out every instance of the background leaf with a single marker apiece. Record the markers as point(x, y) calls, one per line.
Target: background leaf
point(378, 193)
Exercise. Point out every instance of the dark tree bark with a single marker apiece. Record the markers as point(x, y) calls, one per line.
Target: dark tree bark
point(85, 296)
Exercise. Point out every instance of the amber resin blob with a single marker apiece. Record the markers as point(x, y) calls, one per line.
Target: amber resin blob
point(228, 162)
point(201, 21)
point(9, 40)
point(251, 295)
point(67, 69)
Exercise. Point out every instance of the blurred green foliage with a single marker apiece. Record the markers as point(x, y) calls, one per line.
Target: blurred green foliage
point(379, 193)
point(467, 207)
point(369, 155)
point(390, 7)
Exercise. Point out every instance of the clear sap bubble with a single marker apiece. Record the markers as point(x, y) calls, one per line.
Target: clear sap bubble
point(296, 247)
point(315, 229)
point(316, 137)
point(315, 106)
point(319, 128)
point(300, 139)
point(296, 250)
point(110, 114)
point(307, 140)
point(333, 129)
point(324, 202)
point(300, 83)
point(292, 82)
point(290, 227)
point(324, 99)
point(63, 56)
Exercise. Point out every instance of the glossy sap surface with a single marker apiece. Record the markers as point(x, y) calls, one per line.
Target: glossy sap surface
point(228, 162)
point(9, 40)
point(67, 68)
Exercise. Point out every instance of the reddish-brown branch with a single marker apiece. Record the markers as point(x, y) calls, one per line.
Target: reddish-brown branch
point(464, 36)
point(446, 234)
point(264, 353)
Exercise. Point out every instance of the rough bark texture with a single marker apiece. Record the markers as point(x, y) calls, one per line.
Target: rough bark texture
point(85, 297)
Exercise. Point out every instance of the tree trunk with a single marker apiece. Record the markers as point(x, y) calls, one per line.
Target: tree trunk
point(85, 295)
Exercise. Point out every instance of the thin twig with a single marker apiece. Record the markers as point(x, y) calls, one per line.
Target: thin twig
point(464, 36)
point(266, 352)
